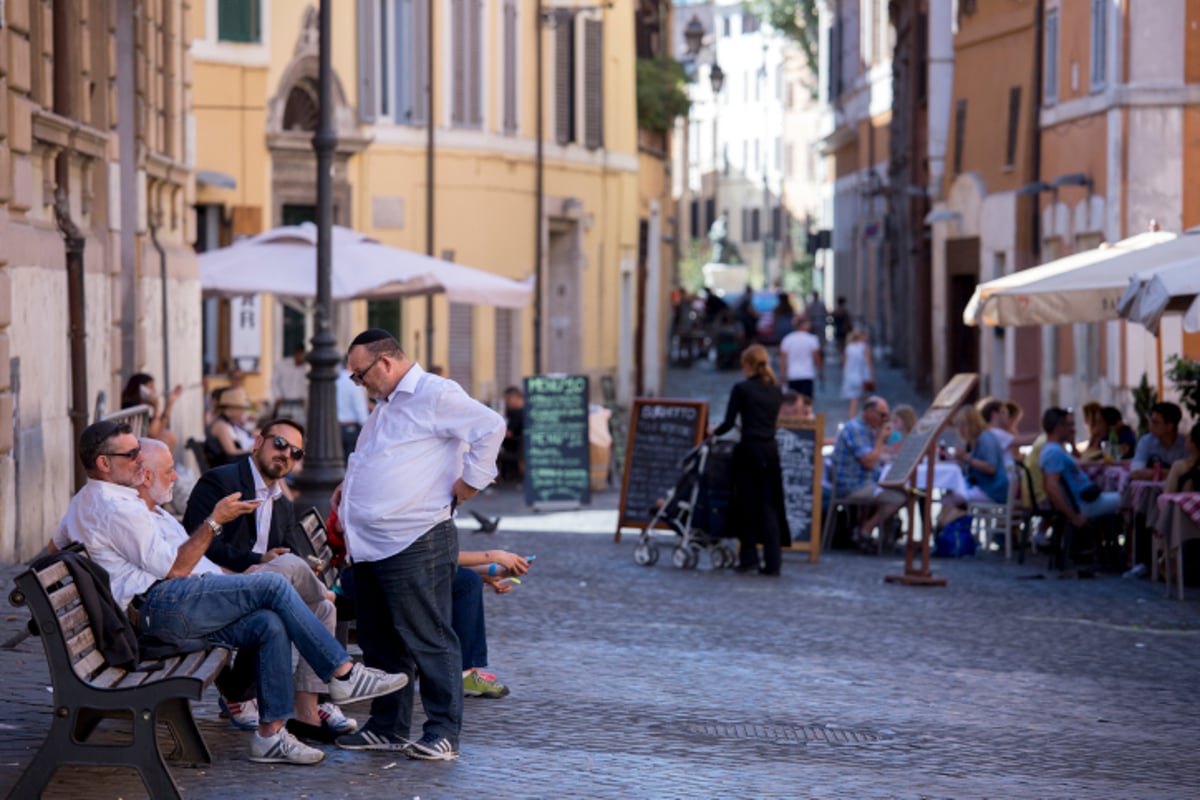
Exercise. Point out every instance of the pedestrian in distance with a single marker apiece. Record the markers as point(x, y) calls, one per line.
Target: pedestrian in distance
point(426, 448)
point(800, 358)
point(756, 511)
point(858, 371)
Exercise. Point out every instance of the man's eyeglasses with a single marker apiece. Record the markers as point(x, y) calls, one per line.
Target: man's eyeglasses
point(357, 377)
point(131, 455)
point(282, 445)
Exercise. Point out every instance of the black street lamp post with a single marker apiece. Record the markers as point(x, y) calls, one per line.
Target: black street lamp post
point(323, 468)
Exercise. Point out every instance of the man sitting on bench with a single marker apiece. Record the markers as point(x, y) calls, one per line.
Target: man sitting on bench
point(152, 577)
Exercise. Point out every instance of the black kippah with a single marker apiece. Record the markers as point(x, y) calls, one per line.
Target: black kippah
point(370, 335)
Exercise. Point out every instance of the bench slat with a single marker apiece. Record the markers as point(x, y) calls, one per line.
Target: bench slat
point(55, 573)
point(64, 596)
point(214, 660)
point(89, 665)
point(72, 620)
point(80, 643)
point(189, 663)
point(109, 678)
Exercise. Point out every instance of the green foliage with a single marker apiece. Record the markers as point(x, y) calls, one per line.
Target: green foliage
point(798, 278)
point(797, 20)
point(1185, 374)
point(1144, 397)
point(661, 93)
point(691, 261)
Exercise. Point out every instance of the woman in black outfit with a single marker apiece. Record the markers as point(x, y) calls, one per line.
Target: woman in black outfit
point(756, 513)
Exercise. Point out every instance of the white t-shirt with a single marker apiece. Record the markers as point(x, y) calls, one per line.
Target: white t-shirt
point(799, 347)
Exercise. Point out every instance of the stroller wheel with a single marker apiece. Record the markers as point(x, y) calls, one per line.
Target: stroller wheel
point(682, 557)
point(645, 554)
point(721, 557)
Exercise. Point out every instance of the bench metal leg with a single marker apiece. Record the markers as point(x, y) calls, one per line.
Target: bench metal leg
point(144, 756)
point(45, 763)
point(190, 747)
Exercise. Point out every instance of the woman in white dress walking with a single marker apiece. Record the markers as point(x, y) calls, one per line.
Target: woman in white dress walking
point(858, 370)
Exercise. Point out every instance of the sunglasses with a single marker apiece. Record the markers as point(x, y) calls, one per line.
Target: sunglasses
point(357, 377)
point(131, 455)
point(282, 445)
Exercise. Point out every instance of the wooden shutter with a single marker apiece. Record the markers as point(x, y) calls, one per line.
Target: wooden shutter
point(458, 57)
point(474, 62)
point(510, 66)
point(417, 64)
point(507, 353)
point(960, 134)
point(367, 108)
point(564, 77)
point(238, 21)
point(593, 83)
point(1014, 119)
point(461, 361)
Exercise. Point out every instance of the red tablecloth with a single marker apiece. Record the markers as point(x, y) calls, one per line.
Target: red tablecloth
point(1188, 502)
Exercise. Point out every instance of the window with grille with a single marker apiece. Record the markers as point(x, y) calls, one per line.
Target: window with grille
point(564, 77)
point(239, 21)
point(593, 83)
point(511, 68)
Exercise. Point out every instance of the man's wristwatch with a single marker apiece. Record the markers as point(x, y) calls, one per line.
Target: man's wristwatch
point(216, 526)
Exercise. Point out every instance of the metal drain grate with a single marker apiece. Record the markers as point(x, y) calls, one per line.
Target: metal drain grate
point(784, 734)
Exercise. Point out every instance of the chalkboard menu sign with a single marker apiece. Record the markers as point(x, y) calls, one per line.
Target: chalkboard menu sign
point(800, 457)
point(661, 432)
point(556, 440)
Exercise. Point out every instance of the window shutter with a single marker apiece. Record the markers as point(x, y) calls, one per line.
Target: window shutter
point(564, 78)
point(960, 134)
point(510, 66)
point(474, 65)
point(1014, 118)
point(367, 65)
point(507, 353)
point(593, 83)
point(458, 39)
point(416, 64)
point(238, 21)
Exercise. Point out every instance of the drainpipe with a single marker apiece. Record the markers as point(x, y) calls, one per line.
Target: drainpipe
point(429, 188)
point(166, 337)
point(66, 71)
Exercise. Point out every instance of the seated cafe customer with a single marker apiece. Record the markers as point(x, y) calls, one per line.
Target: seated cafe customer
point(1069, 491)
point(858, 459)
point(1185, 473)
point(1161, 447)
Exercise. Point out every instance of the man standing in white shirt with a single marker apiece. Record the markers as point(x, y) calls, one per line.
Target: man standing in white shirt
point(425, 448)
point(289, 385)
point(800, 358)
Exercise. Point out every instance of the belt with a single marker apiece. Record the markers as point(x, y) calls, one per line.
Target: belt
point(134, 610)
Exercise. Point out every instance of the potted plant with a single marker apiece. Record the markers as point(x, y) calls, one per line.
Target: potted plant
point(1143, 398)
point(1185, 374)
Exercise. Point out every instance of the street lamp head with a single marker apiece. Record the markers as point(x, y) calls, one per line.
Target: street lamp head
point(717, 76)
point(693, 35)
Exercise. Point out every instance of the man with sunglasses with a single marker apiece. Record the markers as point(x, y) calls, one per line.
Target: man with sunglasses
point(171, 599)
point(426, 448)
point(267, 540)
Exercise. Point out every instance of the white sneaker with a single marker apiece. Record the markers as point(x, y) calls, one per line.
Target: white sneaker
point(283, 748)
point(243, 716)
point(365, 683)
point(333, 719)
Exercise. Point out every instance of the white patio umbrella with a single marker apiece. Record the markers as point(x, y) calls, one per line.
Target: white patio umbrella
point(283, 262)
point(1084, 287)
point(1171, 282)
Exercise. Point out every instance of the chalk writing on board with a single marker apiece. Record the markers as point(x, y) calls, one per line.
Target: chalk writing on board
point(661, 433)
point(556, 439)
point(797, 457)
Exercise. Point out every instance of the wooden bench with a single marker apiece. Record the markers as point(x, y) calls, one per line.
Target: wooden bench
point(87, 690)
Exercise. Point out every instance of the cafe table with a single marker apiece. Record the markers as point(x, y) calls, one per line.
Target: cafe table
point(1178, 521)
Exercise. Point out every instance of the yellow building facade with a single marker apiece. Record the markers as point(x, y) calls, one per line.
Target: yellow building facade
point(255, 110)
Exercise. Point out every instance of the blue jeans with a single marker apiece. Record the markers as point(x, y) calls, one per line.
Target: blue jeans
point(404, 625)
point(260, 611)
point(468, 618)
point(1107, 504)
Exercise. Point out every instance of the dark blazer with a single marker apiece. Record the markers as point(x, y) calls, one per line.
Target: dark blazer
point(232, 549)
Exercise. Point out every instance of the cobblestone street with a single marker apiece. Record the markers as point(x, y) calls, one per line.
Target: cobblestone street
point(654, 682)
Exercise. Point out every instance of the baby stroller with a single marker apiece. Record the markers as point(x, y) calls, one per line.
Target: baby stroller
point(695, 510)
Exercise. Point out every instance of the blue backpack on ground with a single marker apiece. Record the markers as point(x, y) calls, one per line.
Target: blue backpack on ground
point(955, 540)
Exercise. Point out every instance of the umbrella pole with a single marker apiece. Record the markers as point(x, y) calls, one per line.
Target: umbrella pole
point(1158, 349)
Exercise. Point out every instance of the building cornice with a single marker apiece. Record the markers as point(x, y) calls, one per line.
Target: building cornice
point(1121, 96)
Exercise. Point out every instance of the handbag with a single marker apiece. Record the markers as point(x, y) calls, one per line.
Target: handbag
point(869, 385)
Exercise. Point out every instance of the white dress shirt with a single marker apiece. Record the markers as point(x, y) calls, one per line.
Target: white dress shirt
point(122, 535)
point(351, 400)
point(413, 448)
point(262, 514)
